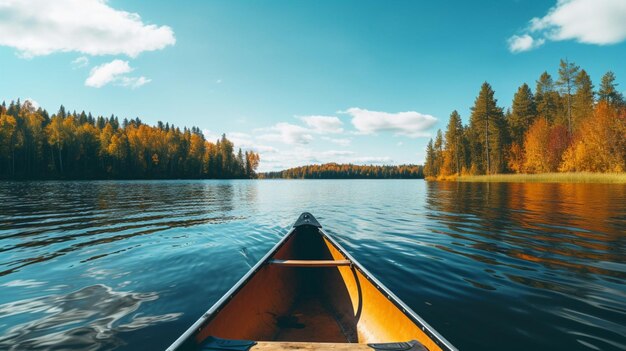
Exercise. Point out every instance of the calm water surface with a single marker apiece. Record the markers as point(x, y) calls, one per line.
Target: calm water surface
point(130, 265)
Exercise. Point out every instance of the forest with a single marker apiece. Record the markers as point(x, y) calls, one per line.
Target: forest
point(348, 171)
point(35, 145)
point(563, 126)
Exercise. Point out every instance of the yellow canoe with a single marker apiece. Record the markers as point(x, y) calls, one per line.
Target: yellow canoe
point(308, 293)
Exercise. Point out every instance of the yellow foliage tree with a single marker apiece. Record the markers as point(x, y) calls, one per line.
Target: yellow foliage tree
point(516, 158)
point(600, 143)
point(535, 143)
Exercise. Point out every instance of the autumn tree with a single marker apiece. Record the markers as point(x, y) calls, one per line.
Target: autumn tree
point(74, 145)
point(599, 144)
point(516, 158)
point(348, 171)
point(453, 153)
point(58, 135)
point(8, 140)
point(252, 163)
point(535, 142)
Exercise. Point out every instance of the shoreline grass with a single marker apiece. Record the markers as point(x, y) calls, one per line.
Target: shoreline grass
point(572, 177)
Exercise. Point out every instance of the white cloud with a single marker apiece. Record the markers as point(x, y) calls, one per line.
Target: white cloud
point(286, 133)
point(384, 160)
point(210, 135)
point(338, 141)
point(412, 124)
point(334, 153)
point(134, 82)
point(300, 156)
point(106, 73)
point(521, 43)
point(34, 104)
point(286, 145)
point(79, 62)
point(114, 72)
point(264, 149)
point(92, 27)
point(323, 124)
point(599, 22)
point(219, 81)
point(241, 140)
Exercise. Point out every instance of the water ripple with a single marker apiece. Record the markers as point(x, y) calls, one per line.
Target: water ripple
point(129, 265)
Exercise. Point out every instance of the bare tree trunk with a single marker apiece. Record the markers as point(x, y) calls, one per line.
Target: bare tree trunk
point(487, 143)
point(487, 134)
point(458, 161)
point(569, 109)
point(60, 158)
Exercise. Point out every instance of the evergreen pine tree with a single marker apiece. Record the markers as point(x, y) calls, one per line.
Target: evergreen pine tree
point(608, 90)
point(546, 98)
point(487, 132)
point(429, 168)
point(567, 83)
point(583, 100)
point(454, 141)
point(523, 114)
point(438, 152)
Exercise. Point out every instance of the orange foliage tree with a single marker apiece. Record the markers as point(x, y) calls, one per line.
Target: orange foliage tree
point(535, 141)
point(79, 146)
point(516, 158)
point(600, 142)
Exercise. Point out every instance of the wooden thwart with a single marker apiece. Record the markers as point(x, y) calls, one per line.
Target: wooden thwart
point(308, 346)
point(310, 263)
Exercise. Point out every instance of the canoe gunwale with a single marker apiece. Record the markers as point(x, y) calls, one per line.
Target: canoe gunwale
point(426, 328)
point(217, 306)
point(208, 315)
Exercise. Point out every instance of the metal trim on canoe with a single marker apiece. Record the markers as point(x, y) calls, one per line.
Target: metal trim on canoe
point(430, 331)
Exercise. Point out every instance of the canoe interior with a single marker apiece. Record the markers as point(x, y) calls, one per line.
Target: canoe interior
point(311, 304)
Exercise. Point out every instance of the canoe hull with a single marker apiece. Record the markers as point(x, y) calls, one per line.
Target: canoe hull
point(323, 303)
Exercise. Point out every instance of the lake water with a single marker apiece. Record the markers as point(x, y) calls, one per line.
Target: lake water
point(129, 265)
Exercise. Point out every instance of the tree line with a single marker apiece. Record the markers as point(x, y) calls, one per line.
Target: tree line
point(348, 171)
point(563, 126)
point(35, 145)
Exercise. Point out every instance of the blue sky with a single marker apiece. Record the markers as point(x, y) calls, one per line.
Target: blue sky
point(301, 82)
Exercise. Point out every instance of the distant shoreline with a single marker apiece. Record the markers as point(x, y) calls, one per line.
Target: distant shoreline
point(570, 177)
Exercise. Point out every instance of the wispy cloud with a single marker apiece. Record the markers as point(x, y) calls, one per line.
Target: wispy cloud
point(114, 72)
point(92, 27)
point(286, 133)
point(412, 124)
point(80, 62)
point(338, 141)
point(323, 124)
point(210, 135)
point(285, 145)
point(599, 22)
point(134, 82)
point(300, 156)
